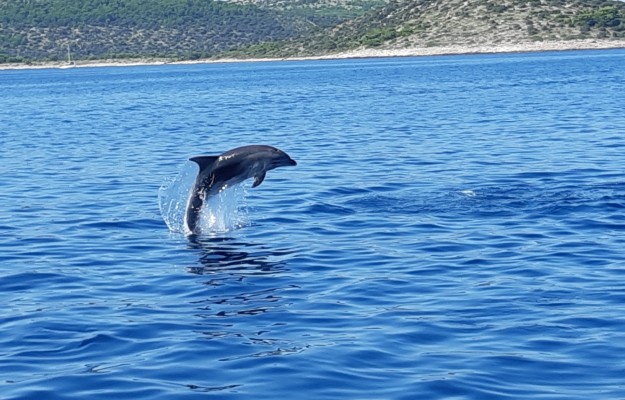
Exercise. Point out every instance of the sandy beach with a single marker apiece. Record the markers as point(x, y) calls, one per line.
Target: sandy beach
point(582, 44)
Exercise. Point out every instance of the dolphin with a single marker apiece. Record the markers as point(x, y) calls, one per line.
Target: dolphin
point(219, 172)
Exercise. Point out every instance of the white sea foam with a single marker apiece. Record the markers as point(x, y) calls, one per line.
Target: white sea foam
point(468, 193)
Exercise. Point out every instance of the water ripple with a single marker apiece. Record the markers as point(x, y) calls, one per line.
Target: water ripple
point(453, 229)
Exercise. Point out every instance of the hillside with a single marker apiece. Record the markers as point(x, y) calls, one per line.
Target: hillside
point(35, 30)
point(40, 30)
point(430, 23)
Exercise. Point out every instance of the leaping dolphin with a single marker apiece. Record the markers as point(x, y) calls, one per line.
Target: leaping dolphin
point(234, 166)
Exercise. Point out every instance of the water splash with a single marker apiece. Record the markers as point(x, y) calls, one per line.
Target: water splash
point(226, 211)
point(222, 213)
point(172, 197)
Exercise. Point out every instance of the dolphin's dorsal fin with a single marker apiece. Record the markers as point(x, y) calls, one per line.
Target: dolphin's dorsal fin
point(258, 179)
point(204, 162)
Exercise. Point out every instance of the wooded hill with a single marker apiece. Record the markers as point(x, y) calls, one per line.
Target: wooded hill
point(40, 30)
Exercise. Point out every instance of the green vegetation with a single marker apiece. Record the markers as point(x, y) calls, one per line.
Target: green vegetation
point(40, 30)
point(131, 13)
point(604, 17)
point(377, 36)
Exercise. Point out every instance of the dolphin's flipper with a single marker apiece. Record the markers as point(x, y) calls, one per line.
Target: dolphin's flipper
point(258, 179)
point(204, 162)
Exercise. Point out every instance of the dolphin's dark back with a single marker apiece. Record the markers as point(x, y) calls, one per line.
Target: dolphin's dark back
point(227, 169)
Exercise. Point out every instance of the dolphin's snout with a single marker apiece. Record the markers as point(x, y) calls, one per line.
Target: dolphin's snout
point(285, 160)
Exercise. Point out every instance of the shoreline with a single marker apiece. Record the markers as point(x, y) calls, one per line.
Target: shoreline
point(524, 47)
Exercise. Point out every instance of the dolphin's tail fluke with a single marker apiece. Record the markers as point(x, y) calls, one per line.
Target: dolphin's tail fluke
point(196, 197)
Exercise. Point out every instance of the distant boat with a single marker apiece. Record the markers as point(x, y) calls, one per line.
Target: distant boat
point(70, 63)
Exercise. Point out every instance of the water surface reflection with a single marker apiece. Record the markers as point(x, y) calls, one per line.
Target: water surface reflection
point(243, 304)
point(226, 254)
point(237, 270)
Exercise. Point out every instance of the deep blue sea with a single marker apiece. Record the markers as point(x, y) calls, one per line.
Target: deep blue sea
point(454, 229)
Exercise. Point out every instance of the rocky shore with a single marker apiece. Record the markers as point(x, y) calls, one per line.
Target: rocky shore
point(538, 46)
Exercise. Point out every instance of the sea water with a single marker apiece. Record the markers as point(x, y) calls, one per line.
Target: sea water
point(455, 228)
